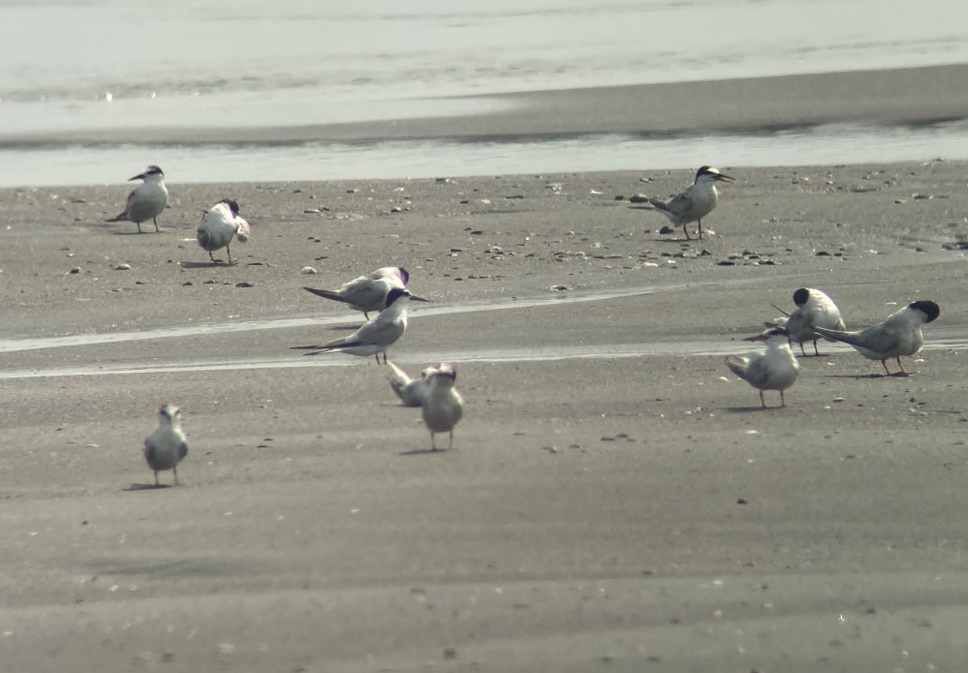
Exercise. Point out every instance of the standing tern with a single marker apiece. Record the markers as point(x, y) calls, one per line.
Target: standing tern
point(167, 445)
point(814, 308)
point(219, 225)
point(695, 202)
point(775, 369)
point(375, 336)
point(899, 334)
point(410, 391)
point(369, 293)
point(443, 406)
point(147, 200)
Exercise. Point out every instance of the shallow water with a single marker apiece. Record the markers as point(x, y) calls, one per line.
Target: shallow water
point(248, 63)
point(846, 144)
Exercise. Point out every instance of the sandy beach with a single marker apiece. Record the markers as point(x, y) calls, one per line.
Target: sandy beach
point(616, 500)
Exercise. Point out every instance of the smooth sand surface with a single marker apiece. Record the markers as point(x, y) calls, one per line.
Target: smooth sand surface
point(624, 507)
point(616, 500)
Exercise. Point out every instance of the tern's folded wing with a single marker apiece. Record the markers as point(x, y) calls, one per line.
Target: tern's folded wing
point(379, 333)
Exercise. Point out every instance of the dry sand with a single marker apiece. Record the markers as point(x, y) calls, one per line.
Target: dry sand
point(615, 501)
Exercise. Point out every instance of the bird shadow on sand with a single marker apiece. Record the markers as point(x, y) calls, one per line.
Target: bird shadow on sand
point(202, 265)
point(146, 487)
point(750, 410)
point(424, 452)
point(861, 377)
point(133, 233)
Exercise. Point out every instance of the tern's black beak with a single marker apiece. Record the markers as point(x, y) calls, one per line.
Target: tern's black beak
point(414, 297)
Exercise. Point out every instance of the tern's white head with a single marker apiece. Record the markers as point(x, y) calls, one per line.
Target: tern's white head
point(150, 174)
point(169, 415)
point(711, 175)
point(444, 375)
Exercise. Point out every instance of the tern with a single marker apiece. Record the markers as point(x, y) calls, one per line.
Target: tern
point(443, 406)
point(899, 334)
point(410, 391)
point(814, 308)
point(695, 202)
point(219, 225)
point(375, 336)
point(775, 369)
point(369, 293)
point(166, 446)
point(147, 200)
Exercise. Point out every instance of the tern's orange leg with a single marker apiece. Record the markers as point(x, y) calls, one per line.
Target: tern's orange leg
point(884, 363)
point(762, 401)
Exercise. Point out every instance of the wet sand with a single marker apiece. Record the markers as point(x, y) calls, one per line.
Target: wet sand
point(615, 500)
point(915, 96)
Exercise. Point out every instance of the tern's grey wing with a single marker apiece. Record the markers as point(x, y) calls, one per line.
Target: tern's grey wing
point(370, 295)
point(144, 204)
point(413, 393)
point(757, 372)
point(680, 205)
point(379, 333)
point(400, 382)
point(737, 364)
point(883, 338)
point(753, 369)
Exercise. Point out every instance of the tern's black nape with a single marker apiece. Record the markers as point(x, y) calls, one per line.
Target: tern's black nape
point(232, 204)
point(712, 172)
point(928, 308)
point(394, 294)
point(704, 170)
point(801, 296)
point(150, 170)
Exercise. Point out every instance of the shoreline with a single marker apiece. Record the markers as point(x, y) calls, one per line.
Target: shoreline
point(906, 96)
